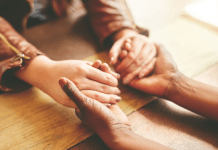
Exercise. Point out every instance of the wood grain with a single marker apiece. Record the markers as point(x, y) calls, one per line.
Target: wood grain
point(33, 120)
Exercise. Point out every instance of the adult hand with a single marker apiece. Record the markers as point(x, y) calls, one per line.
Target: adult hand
point(109, 122)
point(105, 120)
point(164, 71)
point(141, 53)
point(90, 81)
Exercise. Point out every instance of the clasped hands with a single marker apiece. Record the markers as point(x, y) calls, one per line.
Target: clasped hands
point(108, 120)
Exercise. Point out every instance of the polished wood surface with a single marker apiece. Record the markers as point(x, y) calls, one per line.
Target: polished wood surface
point(33, 120)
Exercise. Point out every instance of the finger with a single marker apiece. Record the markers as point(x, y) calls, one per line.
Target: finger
point(115, 51)
point(155, 85)
point(102, 77)
point(107, 105)
point(105, 68)
point(116, 75)
point(127, 46)
point(97, 64)
point(96, 86)
point(128, 40)
point(129, 77)
point(89, 63)
point(101, 97)
point(161, 51)
point(148, 69)
point(73, 92)
point(117, 63)
point(165, 55)
point(78, 113)
point(146, 84)
point(123, 54)
point(141, 71)
point(137, 45)
point(147, 53)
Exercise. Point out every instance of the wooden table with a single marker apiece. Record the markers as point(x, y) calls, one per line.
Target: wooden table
point(160, 120)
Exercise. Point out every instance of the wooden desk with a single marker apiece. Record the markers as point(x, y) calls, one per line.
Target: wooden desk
point(168, 124)
point(163, 121)
point(40, 123)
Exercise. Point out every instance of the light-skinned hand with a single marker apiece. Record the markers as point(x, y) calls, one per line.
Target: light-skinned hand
point(90, 81)
point(165, 69)
point(141, 53)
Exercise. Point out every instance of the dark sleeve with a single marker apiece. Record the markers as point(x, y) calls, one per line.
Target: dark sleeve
point(108, 16)
point(11, 60)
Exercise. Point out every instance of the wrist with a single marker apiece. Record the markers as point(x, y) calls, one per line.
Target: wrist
point(175, 82)
point(124, 33)
point(116, 138)
point(36, 70)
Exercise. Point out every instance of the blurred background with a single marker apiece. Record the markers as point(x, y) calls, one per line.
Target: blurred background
point(156, 14)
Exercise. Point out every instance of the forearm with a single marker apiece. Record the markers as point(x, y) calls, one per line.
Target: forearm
point(195, 96)
point(126, 139)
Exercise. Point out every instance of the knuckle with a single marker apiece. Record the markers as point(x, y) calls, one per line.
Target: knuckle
point(108, 80)
point(137, 62)
point(82, 69)
point(76, 82)
point(97, 97)
point(63, 102)
point(104, 89)
point(132, 75)
point(131, 56)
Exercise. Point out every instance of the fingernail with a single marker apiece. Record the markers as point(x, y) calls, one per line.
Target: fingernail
point(119, 92)
point(128, 40)
point(107, 105)
point(112, 58)
point(125, 81)
point(118, 99)
point(141, 75)
point(62, 82)
point(118, 76)
point(128, 46)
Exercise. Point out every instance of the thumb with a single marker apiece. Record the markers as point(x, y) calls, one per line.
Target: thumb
point(78, 113)
point(73, 92)
point(115, 51)
point(145, 84)
point(161, 50)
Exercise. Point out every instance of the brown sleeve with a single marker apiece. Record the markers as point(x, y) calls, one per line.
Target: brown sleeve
point(108, 16)
point(8, 62)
